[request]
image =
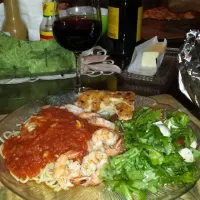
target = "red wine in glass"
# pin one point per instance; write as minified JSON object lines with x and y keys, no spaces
{"x":79,"y":30}
{"x":77,"y":33}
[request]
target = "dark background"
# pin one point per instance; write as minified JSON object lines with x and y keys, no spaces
{"x":146,"y":3}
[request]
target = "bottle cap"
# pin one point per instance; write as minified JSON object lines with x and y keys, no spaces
{"x":50,"y":9}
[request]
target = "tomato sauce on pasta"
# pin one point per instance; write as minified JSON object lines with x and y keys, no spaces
{"x":44,"y":138}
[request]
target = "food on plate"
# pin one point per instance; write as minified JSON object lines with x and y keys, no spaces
{"x":73,"y":145}
{"x":60,"y":148}
{"x":160,"y":151}
{"x":163,"y":13}
{"x":120,"y":103}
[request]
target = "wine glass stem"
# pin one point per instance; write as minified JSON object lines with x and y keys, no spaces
{"x":78,"y":70}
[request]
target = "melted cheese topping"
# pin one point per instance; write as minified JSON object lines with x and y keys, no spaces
{"x":121,"y":103}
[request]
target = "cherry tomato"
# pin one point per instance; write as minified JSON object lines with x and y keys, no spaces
{"x":180,"y":141}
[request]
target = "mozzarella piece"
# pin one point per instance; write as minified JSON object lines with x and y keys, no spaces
{"x":163,"y":129}
{"x":187,"y":155}
{"x":194,"y":145}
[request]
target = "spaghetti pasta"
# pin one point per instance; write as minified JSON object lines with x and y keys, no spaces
{"x":32,"y":152}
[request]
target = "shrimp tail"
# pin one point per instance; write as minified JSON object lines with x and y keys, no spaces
{"x":83,"y":181}
{"x":87,"y":181}
{"x":118,"y":148}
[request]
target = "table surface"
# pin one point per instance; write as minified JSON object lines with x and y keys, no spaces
{"x":193,"y":194}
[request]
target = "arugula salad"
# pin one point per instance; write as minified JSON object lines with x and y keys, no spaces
{"x":160,"y":150}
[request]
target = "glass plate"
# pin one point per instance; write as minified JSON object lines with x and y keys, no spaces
{"x":34,"y":191}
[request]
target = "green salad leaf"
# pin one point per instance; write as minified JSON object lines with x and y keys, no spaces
{"x":152,"y":159}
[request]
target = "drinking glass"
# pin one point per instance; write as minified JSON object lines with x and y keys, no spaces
{"x":79,"y":30}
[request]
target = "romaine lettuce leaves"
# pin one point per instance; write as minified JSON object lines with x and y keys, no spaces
{"x":151,"y":159}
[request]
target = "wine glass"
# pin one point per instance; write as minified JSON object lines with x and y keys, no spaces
{"x":79,"y":30}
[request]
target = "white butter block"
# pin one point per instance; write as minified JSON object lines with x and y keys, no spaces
{"x":149,"y":59}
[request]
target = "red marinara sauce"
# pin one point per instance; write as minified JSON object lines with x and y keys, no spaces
{"x":56,"y":132}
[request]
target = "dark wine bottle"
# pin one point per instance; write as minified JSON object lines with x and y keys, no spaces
{"x":124,"y":27}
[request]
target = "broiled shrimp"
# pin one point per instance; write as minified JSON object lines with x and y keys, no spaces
{"x":98,"y":121}
{"x":66,"y":169}
{"x":103,"y":137}
{"x":73,"y":109}
{"x":90,"y":168}
{"x":106,"y":141}
{"x":93,"y":118}
{"x":93,"y":161}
